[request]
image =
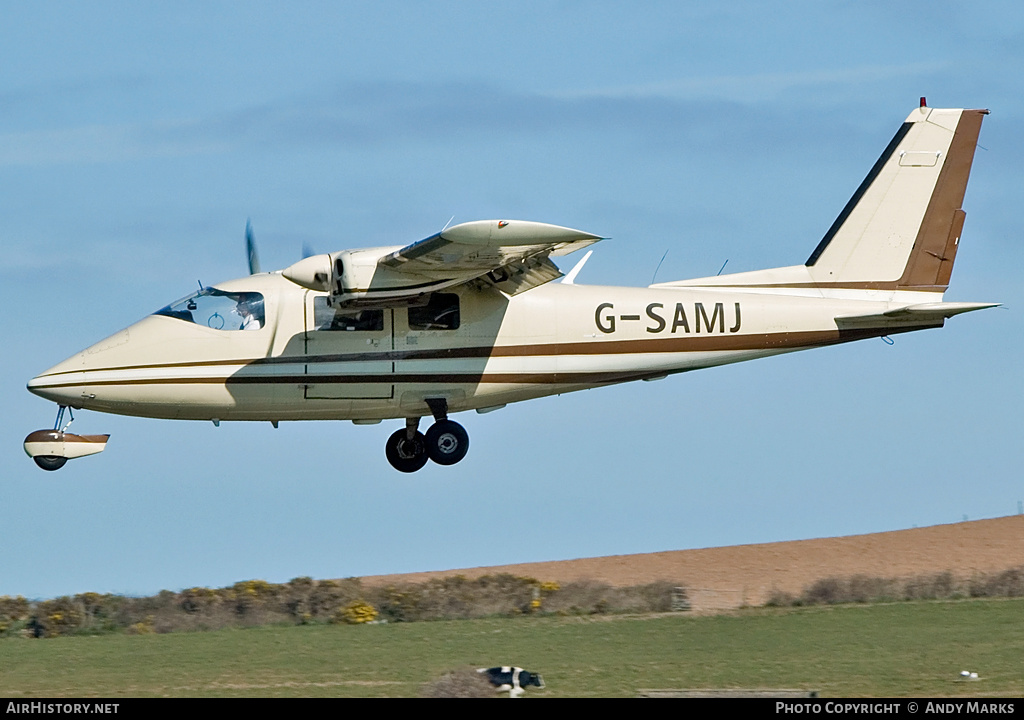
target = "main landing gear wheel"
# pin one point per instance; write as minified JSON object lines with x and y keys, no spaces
{"x":50,"y":462}
{"x":447,"y":442}
{"x":406,"y":455}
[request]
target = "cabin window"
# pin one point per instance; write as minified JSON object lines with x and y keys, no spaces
{"x":440,"y":313}
{"x":326,"y":317}
{"x":219,"y":310}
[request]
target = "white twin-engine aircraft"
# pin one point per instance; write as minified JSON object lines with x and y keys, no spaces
{"x":468,"y":319}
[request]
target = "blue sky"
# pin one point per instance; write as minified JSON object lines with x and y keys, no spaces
{"x":136,"y":138}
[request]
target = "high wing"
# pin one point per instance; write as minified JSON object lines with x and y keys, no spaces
{"x":511,"y":255}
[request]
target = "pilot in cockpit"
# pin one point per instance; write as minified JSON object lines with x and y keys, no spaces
{"x":250,"y":309}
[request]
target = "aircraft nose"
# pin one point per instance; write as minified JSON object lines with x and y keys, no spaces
{"x":35,"y":385}
{"x":67,"y":383}
{"x":58,"y":385}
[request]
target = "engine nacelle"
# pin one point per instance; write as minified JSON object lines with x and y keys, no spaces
{"x":349,"y":275}
{"x":52,"y":448}
{"x":314,"y":273}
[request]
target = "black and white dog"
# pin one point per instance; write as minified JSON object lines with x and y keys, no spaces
{"x":513,"y":679}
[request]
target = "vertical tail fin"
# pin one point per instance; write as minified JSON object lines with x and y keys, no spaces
{"x":901,"y":228}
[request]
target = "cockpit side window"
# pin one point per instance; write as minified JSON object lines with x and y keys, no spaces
{"x":326,"y":317}
{"x":440,"y":313}
{"x":219,"y":310}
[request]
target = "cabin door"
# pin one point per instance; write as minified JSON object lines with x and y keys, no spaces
{"x":348,"y":352}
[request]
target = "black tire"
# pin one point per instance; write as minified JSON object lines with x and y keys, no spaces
{"x":406,"y":455}
{"x":447,"y":442}
{"x":50,"y":462}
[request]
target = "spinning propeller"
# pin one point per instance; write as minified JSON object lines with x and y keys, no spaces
{"x":254,"y":256}
{"x":250,"y":249}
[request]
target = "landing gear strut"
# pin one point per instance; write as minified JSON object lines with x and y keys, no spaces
{"x":55,"y":462}
{"x":446,"y":442}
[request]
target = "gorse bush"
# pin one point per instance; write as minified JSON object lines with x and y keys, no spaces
{"x":1009,"y":583}
{"x":304,"y":600}
{"x":938,"y":586}
{"x":588,"y":597}
{"x":13,"y":610}
{"x":355,"y":613}
{"x":456,"y":598}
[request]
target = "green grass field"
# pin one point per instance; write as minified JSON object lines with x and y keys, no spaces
{"x":904,"y":649}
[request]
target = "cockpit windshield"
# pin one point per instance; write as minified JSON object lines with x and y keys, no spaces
{"x":219,"y":310}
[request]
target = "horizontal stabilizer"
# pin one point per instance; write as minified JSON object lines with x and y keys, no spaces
{"x":921,"y":314}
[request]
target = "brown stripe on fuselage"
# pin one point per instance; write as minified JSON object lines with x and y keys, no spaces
{"x":824,"y":285}
{"x":766,"y":341}
{"x":709,"y":343}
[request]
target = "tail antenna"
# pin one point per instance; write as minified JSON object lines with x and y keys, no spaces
{"x":659,"y":266}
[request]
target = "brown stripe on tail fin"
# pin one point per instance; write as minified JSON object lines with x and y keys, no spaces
{"x":931,"y":261}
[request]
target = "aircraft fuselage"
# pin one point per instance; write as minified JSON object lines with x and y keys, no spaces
{"x":554,"y":339}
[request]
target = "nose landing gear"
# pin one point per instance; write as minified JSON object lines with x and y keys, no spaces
{"x":446,"y":442}
{"x":50,"y":449}
{"x":50,"y":462}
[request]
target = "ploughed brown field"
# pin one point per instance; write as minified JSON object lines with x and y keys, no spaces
{"x":729,"y":577}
